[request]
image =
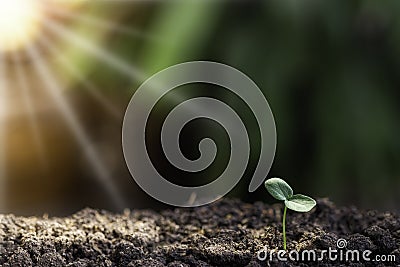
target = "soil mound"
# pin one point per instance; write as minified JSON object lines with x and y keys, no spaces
{"x":226,"y":233}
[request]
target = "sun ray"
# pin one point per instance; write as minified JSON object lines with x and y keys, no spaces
{"x":3,"y":142}
{"x":90,"y":87}
{"x":93,"y":49}
{"x":55,"y":91}
{"x":100,"y":23}
{"x":20,"y":22}
{"x":26,"y":98}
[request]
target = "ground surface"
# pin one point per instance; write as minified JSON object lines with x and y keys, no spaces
{"x":227,"y":233}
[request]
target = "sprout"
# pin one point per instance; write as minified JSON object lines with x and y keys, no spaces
{"x":280,"y":190}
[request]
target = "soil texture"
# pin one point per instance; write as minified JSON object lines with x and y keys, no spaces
{"x":226,"y":233}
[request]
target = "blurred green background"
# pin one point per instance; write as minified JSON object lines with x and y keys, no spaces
{"x":329,"y":70}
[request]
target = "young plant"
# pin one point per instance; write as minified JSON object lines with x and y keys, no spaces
{"x":280,"y":190}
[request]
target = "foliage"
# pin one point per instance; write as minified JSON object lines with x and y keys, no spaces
{"x":280,"y":190}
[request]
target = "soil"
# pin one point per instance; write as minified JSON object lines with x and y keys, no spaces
{"x":226,"y":233}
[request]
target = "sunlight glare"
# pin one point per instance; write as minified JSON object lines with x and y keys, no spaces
{"x":3,"y":141}
{"x":69,"y":66}
{"x":53,"y":87}
{"x":94,"y":49}
{"x":19,"y":23}
{"x":24,"y":86}
{"x":70,"y":4}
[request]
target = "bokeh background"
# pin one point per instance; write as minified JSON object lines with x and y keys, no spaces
{"x":329,"y":69}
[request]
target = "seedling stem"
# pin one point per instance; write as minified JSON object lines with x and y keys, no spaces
{"x":284,"y":227}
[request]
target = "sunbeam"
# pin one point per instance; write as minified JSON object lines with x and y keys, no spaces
{"x":26,"y":98}
{"x":3,"y":120}
{"x":120,"y":65}
{"x":100,"y":23}
{"x":53,"y":88}
{"x":19,"y":23}
{"x":90,"y":87}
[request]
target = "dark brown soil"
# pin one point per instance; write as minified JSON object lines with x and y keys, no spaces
{"x":226,"y":233}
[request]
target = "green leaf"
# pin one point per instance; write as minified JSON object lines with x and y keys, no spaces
{"x":278,"y":188}
{"x":300,"y":203}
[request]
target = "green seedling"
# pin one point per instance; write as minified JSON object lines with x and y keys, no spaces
{"x":280,"y":190}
